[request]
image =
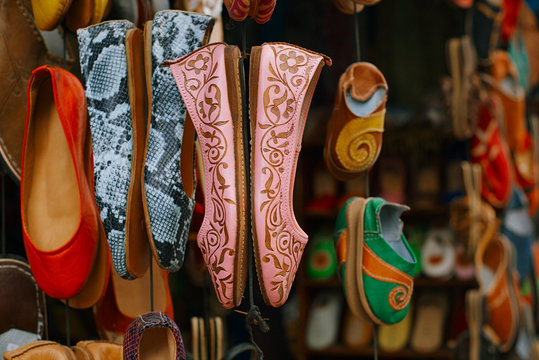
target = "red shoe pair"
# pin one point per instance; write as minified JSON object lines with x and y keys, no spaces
{"x":62,"y":230}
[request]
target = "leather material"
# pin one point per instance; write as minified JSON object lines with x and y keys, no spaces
{"x":489,"y":149}
{"x":259,"y":10}
{"x":79,"y":14}
{"x":63,"y":269}
{"x":102,"y":350}
{"x":354,"y":139}
{"x":208,"y":80}
{"x":113,"y":107}
{"x":23,"y":50}
{"x":145,"y":323}
{"x":112,"y":319}
{"x":49,"y":14}
{"x":41,"y":350}
{"x":347,"y":6}
{"x":282,"y":81}
{"x":101,"y":9}
{"x":168,"y":207}
{"x":22,"y":303}
{"x":499,"y":288}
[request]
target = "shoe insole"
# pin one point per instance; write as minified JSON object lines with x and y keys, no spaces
{"x":53,"y":201}
{"x":392,"y":230}
{"x":157,"y":343}
{"x":364,"y":108}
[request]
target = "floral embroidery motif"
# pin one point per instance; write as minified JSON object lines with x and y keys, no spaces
{"x":200,"y":77}
{"x":277,"y":139}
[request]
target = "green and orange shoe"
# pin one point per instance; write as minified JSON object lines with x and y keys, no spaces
{"x":347,"y":224}
{"x":385,"y":262}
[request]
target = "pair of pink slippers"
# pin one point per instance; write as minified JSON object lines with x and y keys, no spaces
{"x":282,"y":81}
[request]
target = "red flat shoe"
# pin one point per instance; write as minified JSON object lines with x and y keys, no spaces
{"x":60,"y":220}
{"x":489,"y":149}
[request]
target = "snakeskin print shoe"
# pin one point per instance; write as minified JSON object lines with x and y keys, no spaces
{"x":153,"y":336}
{"x":282,"y":82}
{"x":209,"y":83}
{"x":111,"y":61}
{"x":168,"y":198}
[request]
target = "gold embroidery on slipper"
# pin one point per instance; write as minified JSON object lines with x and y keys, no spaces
{"x":290,"y":72}
{"x":205,"y":94}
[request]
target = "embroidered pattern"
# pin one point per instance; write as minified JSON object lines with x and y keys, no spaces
{"x":202,"y":81}
{"x":399,"y":297}
{"x":174,"y":34}
{"x":286,"y":73}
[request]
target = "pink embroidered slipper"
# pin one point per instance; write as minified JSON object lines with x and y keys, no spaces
{"x":282,"y":81}
{"x":208,"y":80}
{"x":259,"y":10}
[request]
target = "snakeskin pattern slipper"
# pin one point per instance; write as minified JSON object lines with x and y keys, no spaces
{"x":209,"y":83}
{"x":114,"y":83}
{"x":168,"y":200}
{"x":282,"y":82}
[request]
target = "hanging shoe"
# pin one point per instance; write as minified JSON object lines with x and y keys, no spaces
{"x":282,"y":82}
{"x":490,"y":151}
{"x":41,"y":350}
{"x":167,"y":175}
{"x":24,"y":49}
{"x":348,"y":7}
{"x":111,"y":65}
{"x":153,"y":336}
{"x":495,"y":267}
{"x":102,"y":350}
{"x":18,"y":290}
{"x":49,"y":14}
{"x":209,"y":82}
{"x":61,"y":227}
{"x":259,"y":10}
{"x":355,"y":129}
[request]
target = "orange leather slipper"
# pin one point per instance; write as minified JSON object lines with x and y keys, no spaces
{"x":354,"y":132}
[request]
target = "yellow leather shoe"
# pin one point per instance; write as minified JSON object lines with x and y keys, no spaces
{"x":49,"y":13}
{"x":101,"y":9}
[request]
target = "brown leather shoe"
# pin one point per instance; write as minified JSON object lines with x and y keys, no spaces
{"x":102,"y":350}
{"x":354,"y":132}
{"x":22,"y":50}
{"x":41,"y":350}
{"x":22,"y":303}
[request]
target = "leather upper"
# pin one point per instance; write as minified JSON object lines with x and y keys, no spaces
{"x":283,"y":78}
{"x":204,"y":84}
{"x":62,"y":272}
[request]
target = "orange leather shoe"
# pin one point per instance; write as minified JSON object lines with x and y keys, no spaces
{"x":355,"y":129}
{"x":41,"y":350}
{"x":495,"y":269}
{"x":60,"y":220}
{"x":102,"y":350}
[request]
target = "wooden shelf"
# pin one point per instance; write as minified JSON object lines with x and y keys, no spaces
{"x":342,"y":351}
{"x":329,"y":283}
{"x":418,"y":282}
{"x":453,"y":282}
